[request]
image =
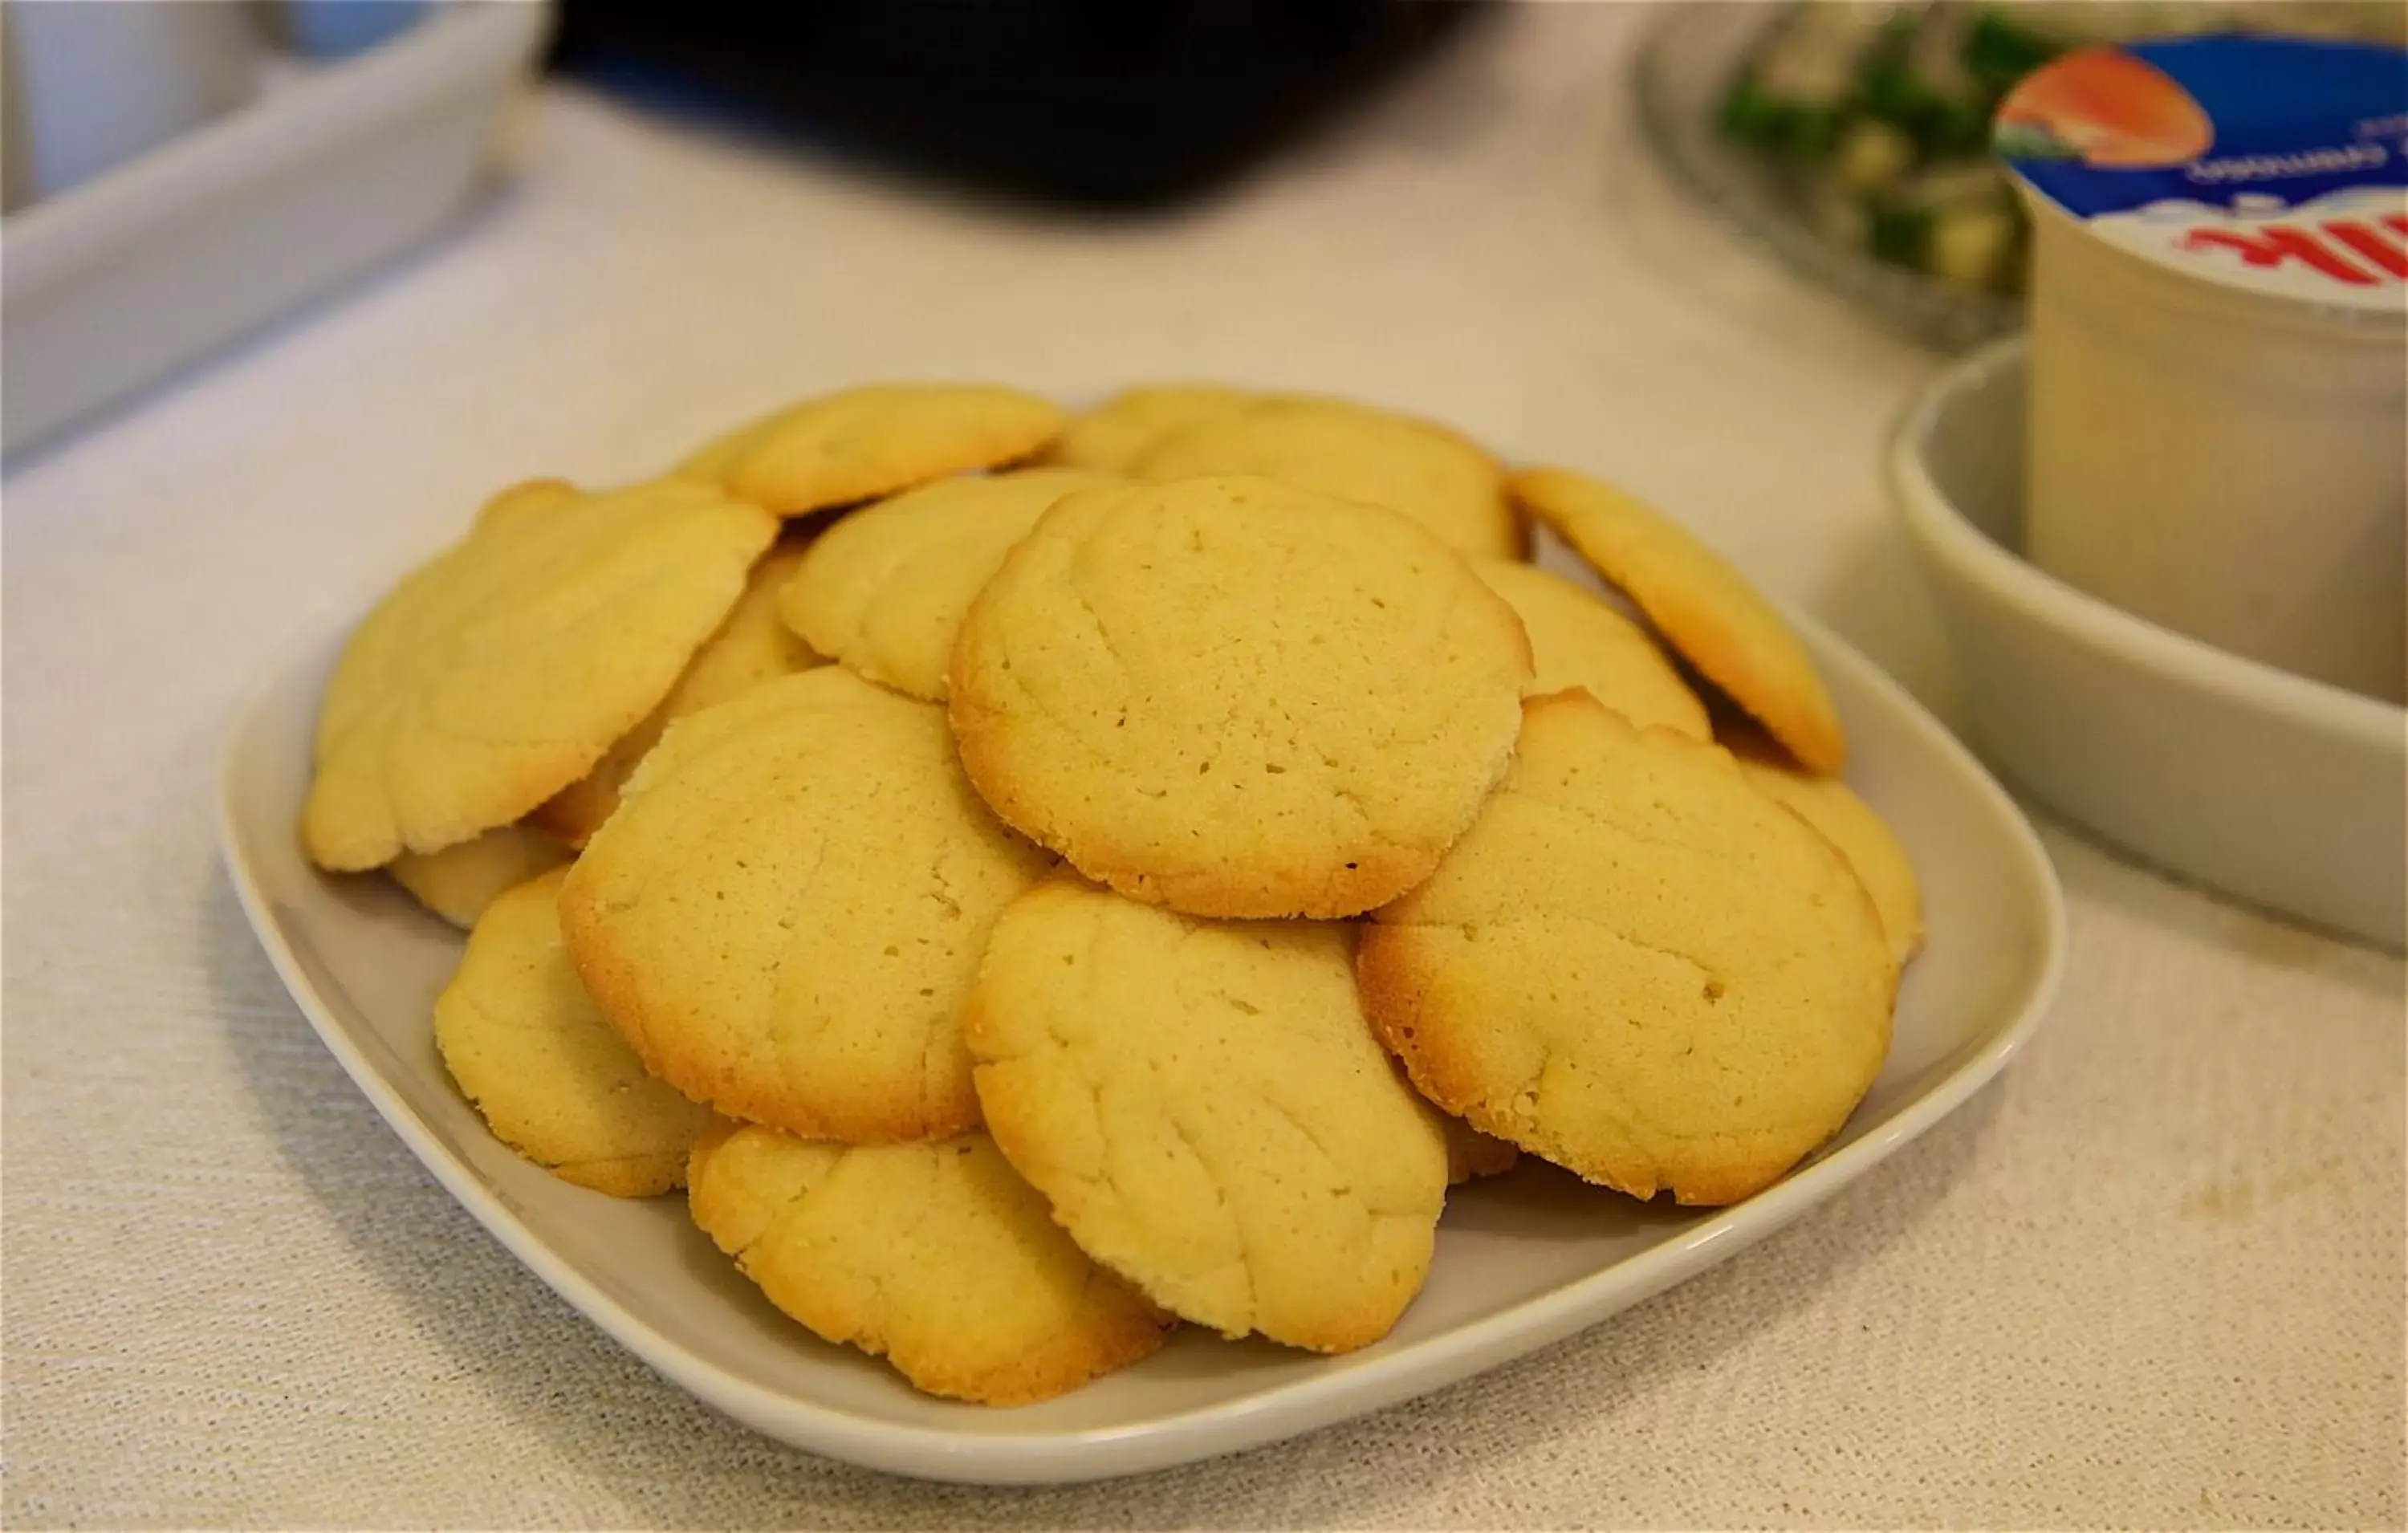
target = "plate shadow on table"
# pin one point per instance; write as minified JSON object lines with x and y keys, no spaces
{"x":520,"y":1343}
{"x":465,"y":1287}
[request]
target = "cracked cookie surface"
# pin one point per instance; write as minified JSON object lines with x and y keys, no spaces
{"x":1578,"y":640}
{"x":528,"y":1049}
{"x":1831,"y":806}
{"x":1415,"y":467}
{"x":935,"y":1255}
{"x":1209,"y":1113}
{"x":1235,"y":698}
{"x":1113,"y":436}
{"x":751,"y":646}
{"x":859,"y":443}
{"x":499,"y":672}
{"x":1636,"y":965}
{"x":883,"y":591}
{"x":1704,"y":608}
{"x":785,"y":914}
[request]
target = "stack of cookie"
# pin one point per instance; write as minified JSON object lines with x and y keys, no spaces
{"x":1030,"y":907}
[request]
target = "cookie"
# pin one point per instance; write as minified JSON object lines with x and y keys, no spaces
{"x":553,"y":1080}
{"x":883,"y":591}
{"x":1109,"y":438}
{"x":1849,"y":823}
{"x":1236,"y":697}
{"x":785,"y":914}
{"x":933,"y":1256}
{"x":1472,"y":1155}
{"x":499,"y":673}
{"x":1702,"y":607}
{"x":753,"y":645}
{"x":1636,"y":965}
{"x":1578,"y":640}
{"x":1207,"y":1112}
{"x":858,"y":444}
{"x":533,"y":494}
{"x":1423,"y":470}
{"x":459,"y":881}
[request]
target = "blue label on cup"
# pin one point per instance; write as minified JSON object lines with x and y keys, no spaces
{"x":2275,"y":163}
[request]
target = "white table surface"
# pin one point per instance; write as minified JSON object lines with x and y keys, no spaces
{"x":2153,"y":1276}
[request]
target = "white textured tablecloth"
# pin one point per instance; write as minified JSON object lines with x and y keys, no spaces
{"x":2153,"y":1276}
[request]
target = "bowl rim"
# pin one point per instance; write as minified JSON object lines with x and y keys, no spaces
{"x":1949,"y":540}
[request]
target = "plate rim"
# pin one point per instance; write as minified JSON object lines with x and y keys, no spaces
{"x":1285,"y":1409}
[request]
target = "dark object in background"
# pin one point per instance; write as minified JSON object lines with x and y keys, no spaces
{"x":1098,"y":102}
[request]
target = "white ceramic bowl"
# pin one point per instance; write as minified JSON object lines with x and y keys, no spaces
{"x":110,"y":285}
{"x":93,"y":86}
{"x":2283,"y":790}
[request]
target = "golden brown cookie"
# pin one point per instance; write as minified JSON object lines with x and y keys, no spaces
{"x":459,"y":881}
{"x":1109,"y":438}
{"x":1416,"y":468}
{"x":1472,"y":1155}
{"x":499,"y":673}
{"x":533,"y":494}
{"x":1578,"y":640}
{"x":1205,"y":1108}
{"x":1235,"y":698}
{"x":553,"y":1080}
{"x":1830,"y":807}
{"x":753,"y":645}
{"x":933,"y":1256}
{"x":883,"y":591}
{"x":858,"y":444}
{"x":1636,"y":965}
{"x":785,"y":914}
{"x":1702,"y":607}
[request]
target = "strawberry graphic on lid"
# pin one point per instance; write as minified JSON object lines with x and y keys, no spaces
{"x":2268,"y":164}
{"x":2106,"y":107}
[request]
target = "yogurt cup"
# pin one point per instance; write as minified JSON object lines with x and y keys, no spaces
{"x":2218,"y":420}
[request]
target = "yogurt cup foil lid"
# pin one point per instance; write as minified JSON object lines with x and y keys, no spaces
{"x":2278,"y":165}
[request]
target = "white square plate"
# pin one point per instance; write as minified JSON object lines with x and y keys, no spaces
{"x":1522,"y":1259}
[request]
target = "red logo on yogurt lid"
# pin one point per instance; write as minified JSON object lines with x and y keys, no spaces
{"x":2357,"y":252}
